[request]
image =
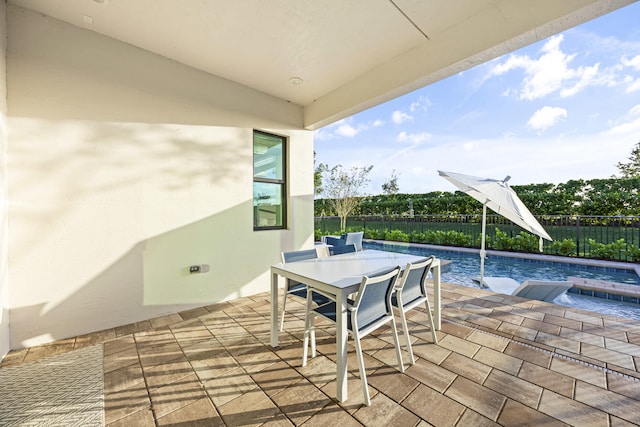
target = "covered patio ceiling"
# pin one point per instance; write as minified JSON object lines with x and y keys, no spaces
{"x":332,"y":57}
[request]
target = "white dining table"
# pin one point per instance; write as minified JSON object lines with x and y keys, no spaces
{"x":340,"y":275}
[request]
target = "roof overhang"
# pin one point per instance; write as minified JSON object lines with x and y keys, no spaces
{"x":334,"y":58}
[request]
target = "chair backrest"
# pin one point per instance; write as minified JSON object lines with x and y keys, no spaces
{"x":344,"y":249}
{"x":412,"y":284}
{"x":302,"y":255}
{"x":373,"y":301}
{"x":355,"y":238}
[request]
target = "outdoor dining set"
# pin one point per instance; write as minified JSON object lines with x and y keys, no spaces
{"x":358,"y":290}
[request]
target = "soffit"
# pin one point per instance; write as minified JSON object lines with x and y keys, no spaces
{"x":350,"y":54}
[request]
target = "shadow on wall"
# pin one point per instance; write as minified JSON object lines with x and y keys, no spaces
{"x":153,"y":279}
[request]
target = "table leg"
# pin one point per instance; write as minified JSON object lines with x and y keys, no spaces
{"x":274,"y":310}
{"x":436,"y":295}
{"x":341,"y":346}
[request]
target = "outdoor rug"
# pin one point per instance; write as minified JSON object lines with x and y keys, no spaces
{"x":60,"y":390}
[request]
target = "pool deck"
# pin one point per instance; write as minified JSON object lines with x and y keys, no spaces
{"x":500,"y":361}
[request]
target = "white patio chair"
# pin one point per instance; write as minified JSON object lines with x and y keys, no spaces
{"x":295,"y":288}
{"x":410,"y":292}
{"x":370,"y":310}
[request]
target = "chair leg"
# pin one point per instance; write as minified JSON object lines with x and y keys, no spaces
{"x":284,"y":306}
{"x":396,"y":341}
{"x":407,"y":338}
{"x":431,"y":324}
{"x":309,"y":331}
{"x":363,"y":374}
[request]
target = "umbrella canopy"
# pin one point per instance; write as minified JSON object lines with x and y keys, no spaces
{"x":499,"y":197}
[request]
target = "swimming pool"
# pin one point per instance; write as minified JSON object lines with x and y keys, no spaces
{"x":465,"y":265}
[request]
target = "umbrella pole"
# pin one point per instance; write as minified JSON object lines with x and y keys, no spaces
{"x":482,"y":244}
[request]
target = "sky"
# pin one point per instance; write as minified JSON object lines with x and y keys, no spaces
{"x":566,"y":107}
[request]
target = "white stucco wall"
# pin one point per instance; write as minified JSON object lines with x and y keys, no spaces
{"x":4,"y":283}
{"x":124,"y":168}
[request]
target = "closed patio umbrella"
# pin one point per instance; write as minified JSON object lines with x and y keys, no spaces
{"x":499,"y":197}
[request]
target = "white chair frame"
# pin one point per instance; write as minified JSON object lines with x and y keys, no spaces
{"x":418,"y":274}
{"x":355,"y":331}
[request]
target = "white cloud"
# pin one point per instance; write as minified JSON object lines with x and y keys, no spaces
{"x":421,"y":104}
{"x":633,"y":62}
{"x":344,"y":128}
{"x":630,"y":124}
{"x":347,"y":130}
{"x":546,"y":117}
{"x":634,"y":86}
{"x":399,"y":116}
{"x":415,"y":138}
{"x":551,"y":72}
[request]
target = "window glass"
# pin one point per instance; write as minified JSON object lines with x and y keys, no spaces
{"x":269,"y":186}
{"x":267,"y":156}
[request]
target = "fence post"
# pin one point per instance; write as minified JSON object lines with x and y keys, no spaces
{"x":578,"y":236}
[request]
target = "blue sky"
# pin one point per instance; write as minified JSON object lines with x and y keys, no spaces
{"x":564,"y":108}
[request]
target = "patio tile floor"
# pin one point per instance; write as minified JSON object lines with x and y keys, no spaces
{"x":499,"y":361}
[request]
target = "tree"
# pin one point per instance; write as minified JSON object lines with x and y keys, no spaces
{"x":343,"y":188}
{"x":631,"y":169}
{"x":317,"y":176}
{"x":391,"y":185}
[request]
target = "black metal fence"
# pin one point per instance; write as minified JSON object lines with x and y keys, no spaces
{"x":616,"y":237}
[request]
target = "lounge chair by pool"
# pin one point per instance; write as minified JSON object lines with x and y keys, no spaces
{"x":543,"y":290}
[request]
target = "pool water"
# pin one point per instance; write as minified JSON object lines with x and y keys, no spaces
{"x":464,"y":266}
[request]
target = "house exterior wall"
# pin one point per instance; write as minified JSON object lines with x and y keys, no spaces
{"x":125,"y":168}
{"x":4,"y":283}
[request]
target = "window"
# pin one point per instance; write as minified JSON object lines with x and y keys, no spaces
{"x":269,"y":183}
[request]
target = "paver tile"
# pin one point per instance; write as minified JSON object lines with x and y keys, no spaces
{"x":199,"y":413}
{"x":176,"y":395}
{"x":472,"y":418}
{"x":487,"y":340}
{"x":571,"y":411}
{"x":300,"y":401}
{"x":584,"y":337}
{"x":514,"y":388}
{"x":481,"y":399}
{"x":578,"y":371}
{"x":570,"y":345}
{"x":332,"y":415}
{"x":390,"y":382}
{"x":608,"y":401}
{"x":459,"y":345}
{"x":548,"y":379}
{"x":229,"y":386}
{"x":252,"y":408}
{"x":385,"y":412}
{"x":121,"y":403}
{"x":469,"y":368}
{"x":518,"y":331}
{"x":432,"y":375}
{"x":498,"y":360}
{"x":611,"y":357}
{"x":140,"y":418}
{"x":622,"y":346}
{"x":433,"y":407}
{"x":563,"y":321}
{"x":517,"y":414}
{"x":528,"y":354}
{"x":623,"y":385}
